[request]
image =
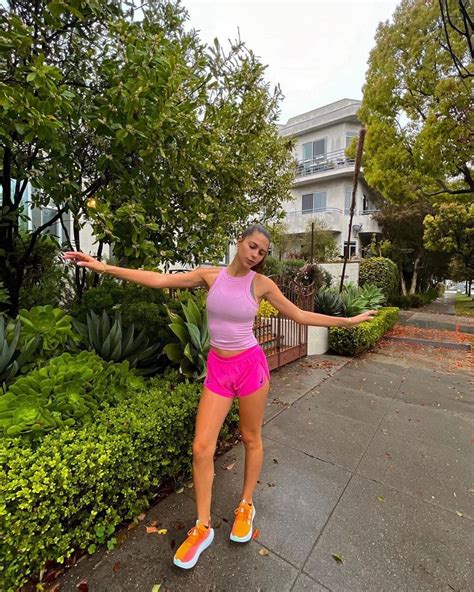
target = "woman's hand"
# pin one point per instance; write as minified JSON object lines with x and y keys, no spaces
{"x":365,"y":316}
{"x":83,"y":260}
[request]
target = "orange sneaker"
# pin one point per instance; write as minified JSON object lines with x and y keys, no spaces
{"x":199,"y":538}
{"x":242,"y":530}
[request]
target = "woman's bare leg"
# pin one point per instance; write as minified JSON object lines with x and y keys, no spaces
{"x":251,"y":410}
{"x":212,"y":411}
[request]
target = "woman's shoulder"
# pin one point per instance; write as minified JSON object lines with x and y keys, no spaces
{"x":209,"y":274}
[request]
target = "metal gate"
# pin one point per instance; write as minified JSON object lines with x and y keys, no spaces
{"x":282,"y":339}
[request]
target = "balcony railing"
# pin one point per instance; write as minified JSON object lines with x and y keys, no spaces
{"x":297,"y":221}
{"x":324,"y":162}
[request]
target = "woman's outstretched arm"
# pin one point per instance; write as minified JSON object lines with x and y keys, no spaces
{"x":149,"y":279}
{"x":304,"y":317}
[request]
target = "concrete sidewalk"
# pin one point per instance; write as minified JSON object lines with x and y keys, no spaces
{"x":365,"y":460}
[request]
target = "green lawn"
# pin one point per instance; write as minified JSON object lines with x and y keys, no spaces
{"x":464,"y":305}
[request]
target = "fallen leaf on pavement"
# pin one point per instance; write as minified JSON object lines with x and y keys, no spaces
{"x":163,"y":531}
{"x":381,"y":498}
{"x":117,"y":567}
{"x":337,"y":558}
{"x":141,"y":517}
{"x":150,"y":529}
{"x":229,"y":467}
{"x":156,"y":588}
{"x":180,"y":490}
{"x":256,"y":533}
{"x":83,"y":586}
{"x":263,"y":552}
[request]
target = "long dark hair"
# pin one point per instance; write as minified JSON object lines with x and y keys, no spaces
{"x":262,"y":230}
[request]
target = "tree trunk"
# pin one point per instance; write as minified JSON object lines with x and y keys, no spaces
{"x":415,"y":276}
{"x":402,"y":283}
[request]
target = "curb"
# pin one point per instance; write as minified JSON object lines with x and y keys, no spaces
{"x":429,"y":342}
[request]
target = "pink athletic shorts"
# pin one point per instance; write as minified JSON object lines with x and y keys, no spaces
{"x":239,"y":375}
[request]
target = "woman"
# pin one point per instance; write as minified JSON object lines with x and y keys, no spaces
{"x":236,"y":367}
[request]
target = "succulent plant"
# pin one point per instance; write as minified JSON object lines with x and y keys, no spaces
{"x":53,"y":327}
{"x":108,"y":339}
{"x":12,"y":358}
{"x":373,"y":296}
{"x":191,"y":350}
{"x":329,"y":302}
{"x":67,"y":391}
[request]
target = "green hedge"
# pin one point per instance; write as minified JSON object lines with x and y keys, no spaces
{"x":357,"y":339}
{"x":78,"y":485}
{"x":381,"y":272}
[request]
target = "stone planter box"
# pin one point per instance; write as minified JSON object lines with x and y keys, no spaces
{"x":318,"y":340}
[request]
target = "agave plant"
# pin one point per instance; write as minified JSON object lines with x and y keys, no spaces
{"x":373,"y":296}
{"x":111,"y":343}
{"x":329,"y":302}
{"x":12,"y":358}
{"x":354,"y":303}
{"x":193,"y":346}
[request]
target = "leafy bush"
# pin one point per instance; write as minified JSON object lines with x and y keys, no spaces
{"x":354,"y":340}
{"x":51,"y":325}
{"x":84,"y":482}
{"x":381,"y":272}
{"x":328,"y":302}
{"x":65,"y":392}
{"x":272,"y":266}
{"x":193,"y":346}
{"x":311,"y":273}
{"x":142,"y":307}
{"x":111,"y":343}
{"x":47,"y":279}
{"x":416,"y":300}
{"x":289,"y":268}
{"x":12,"y":359}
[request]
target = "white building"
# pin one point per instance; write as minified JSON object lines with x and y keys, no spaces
{"x":322,"y":187}
{"x":62,"y":228}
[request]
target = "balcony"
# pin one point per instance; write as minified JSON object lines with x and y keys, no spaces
{"x":298,"y":221}
{"x":331,"y":161}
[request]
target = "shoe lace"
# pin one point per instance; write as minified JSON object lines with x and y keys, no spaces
{"x":194,"y":534}
{"x":243,"y":513}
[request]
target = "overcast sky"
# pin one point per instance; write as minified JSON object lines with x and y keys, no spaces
{"x":317,"y":50}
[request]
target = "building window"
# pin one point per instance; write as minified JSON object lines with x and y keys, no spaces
{"x":349,"y":137}
{"x":314,"y":202}
{"x":54,"y":229}
{"x":347,"y":200}
{"x":352,"y":249}
{"x":314,"y":150}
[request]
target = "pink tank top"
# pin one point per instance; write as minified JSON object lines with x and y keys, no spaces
{"x":231,"y":310}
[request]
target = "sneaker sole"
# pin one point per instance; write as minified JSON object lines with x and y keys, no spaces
{"x":192,"y":562}
{"x":246,"y":538}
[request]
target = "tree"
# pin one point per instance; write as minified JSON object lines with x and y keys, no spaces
{"x":175,"y":142}
{"x":280,"y":237}
{"x":321,"y":242}
{"x":451,"y":229}
{"x":402,"y":241}
{"x":417,"y":107}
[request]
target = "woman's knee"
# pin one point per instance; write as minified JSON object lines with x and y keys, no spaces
{"x":203,"y":450}
{"x":252,"y":439}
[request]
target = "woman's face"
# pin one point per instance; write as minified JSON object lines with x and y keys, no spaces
{"x":252,"y":249}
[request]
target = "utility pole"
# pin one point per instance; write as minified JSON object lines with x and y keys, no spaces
{"x":358,"y":163}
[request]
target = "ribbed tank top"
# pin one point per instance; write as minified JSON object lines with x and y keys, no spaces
{"x":231,"y":311}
